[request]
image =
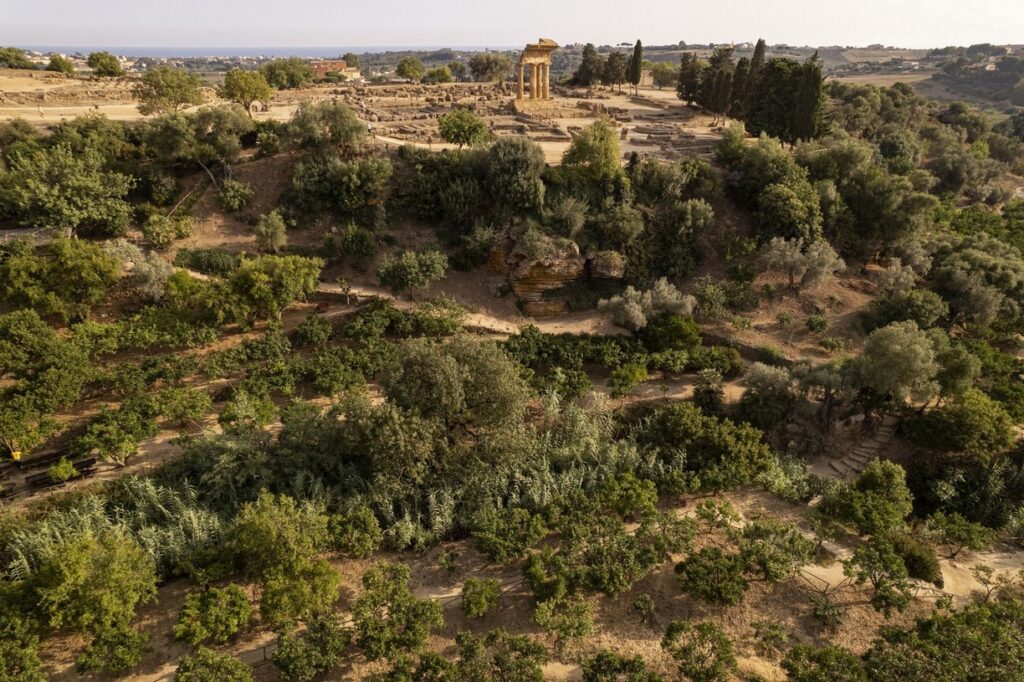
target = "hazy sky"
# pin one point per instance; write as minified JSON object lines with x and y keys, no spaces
{"x":235,"y":23}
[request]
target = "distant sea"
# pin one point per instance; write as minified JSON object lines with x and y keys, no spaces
{"x":250,"y":51}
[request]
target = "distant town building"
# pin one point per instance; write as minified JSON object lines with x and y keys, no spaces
{"x":322,"y":67}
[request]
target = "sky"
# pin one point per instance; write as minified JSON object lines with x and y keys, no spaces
{"x":455,"y":23}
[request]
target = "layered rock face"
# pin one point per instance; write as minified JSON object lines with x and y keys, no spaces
{"x":531,"y":277}
{"x":559,"y":264}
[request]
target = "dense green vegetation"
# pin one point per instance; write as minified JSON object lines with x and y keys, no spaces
{"x":429,"y":433}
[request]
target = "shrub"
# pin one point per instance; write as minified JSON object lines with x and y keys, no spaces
{"x":315,"y":330}
{"x":723,"y":359}
{"x":479,"y":595}
{"x":301,"y":657}
{"x":270,"y":232}
{"x":633,"y":308}
{"x":567,"y":618}
{"x":804,"y":663}
{"x":388,"y":618}
{"x":816,"y":324}
{"x":161,"y":231}
{"x":918,"y":557}
{"x":608,"y":666}
{"x":114,"y":648}
{"x":206,"y":665}
{"x":207,"y":261}
{"x":713,"y":575}
{"x":355,"y":243}
{"x":704,"y":653}
{"x":235,"y":195}
{"x":624,"y":379}
{"x":412,"y":270}
{"x":878,"y":502}
{"x":213,"y":615}
{"x":356,"y":534}
{"x":959,"y":534}
{"x":62,"y":470}
{"x":670,"y":331}
{"x":973,"y":423}
{"x":505,"y":535}
{"x":977,"y":642}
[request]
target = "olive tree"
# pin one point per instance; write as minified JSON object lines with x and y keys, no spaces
{"x":271,"y":235}
{"x":104,"y":64}
{"x":165,"y":90}
{"x":899,"y":361}
{"x":66,"y":189}
{"x":245,"y":88}
{"x":463,"y":128}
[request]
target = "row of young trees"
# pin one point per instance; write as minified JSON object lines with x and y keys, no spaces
{"x":614,"y":69}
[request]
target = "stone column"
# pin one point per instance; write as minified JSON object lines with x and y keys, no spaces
{"x":522,"y":90}
{"x":546,"y":80}
{"x":534,"y":81}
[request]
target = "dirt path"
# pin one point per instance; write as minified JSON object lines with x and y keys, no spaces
{"x":588,"y":322}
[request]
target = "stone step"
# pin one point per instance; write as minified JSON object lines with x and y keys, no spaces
{"x":839,"y":467}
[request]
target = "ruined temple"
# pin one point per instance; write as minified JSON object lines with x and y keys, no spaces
{"x":538,"y":57}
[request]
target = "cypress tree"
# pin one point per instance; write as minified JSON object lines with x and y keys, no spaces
{"x":690,"y":72}
{"x":739,"y":88}
{"x":636,"y":66}
{"x":757,"y":61}
{"x":809,"y":94}
{"x":754,"y":72}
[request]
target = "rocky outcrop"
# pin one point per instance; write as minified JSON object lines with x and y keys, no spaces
{"x":607,"y":265}
{"x":531,"y":274}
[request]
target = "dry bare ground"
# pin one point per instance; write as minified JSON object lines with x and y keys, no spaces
{"x":617,"y":624}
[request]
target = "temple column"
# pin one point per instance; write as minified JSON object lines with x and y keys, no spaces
{"x":546,"y":81}
{"x":522,"y":90}
{"x":534,"y":81}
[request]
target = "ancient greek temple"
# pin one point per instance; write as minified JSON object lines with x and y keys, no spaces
{"x":537,"y":56}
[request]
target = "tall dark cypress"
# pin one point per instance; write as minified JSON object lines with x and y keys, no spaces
{"x":737,"y":107}
{"x":636,"y":65}
{"x":757,"y":61}
{"x":809,"y":95}
{"x":754,"y":72}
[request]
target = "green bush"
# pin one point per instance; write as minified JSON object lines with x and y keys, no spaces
{"x":315,"y":330}
{"x":919,"y":558}
{"x":113,"y":649}
{"x":301,"y":657}
{"x":355,"y":534}
{"x":213,"y":615}
{"x":973,"y":423}
{"x":206,"y":665}
{"x":235,"y":195}
{"x":670,"y":331}
{"x":714,"y":576}
{"x":161,"y":231}
{"x":816,"y":324}
{"x":479,"y":595}
{"x":505,"y":535}
{"x":412,"y":270}
{"x":62,"y":470}
{"x":624,"y":379}
{"x":804,"y":663}
{"x":702,"y":650}
{"x":725,"y":360}
{"x":207,"y":261}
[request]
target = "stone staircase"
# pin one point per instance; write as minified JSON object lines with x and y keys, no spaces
{"x":852,"y":464}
